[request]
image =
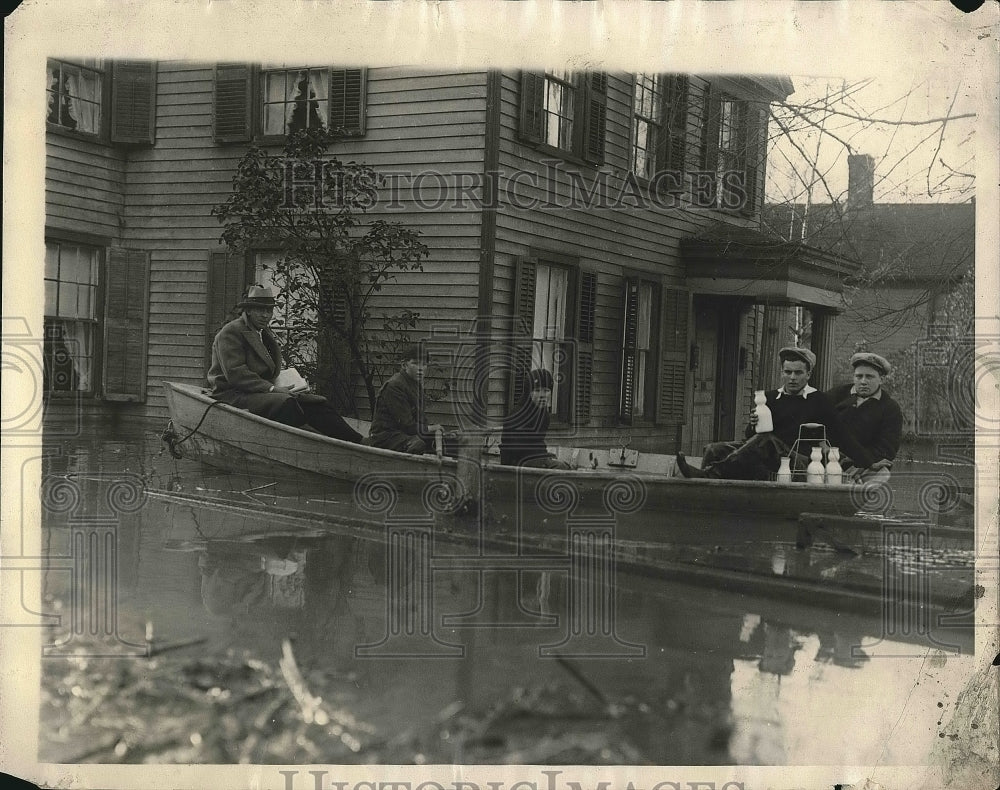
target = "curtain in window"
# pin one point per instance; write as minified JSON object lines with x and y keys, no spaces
{"x":84,"y":100}
{"x":549,"y":331}
{"x":319,"y":92}
{"x":52,"y":94}
{"x":79,"y":339}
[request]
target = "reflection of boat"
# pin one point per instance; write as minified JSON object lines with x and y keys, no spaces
{"x":619,"y":481}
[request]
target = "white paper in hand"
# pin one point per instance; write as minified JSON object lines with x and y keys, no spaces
{"x":290,"y":377}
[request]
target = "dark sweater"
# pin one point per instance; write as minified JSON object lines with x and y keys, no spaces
{"x":523,"y":435}
{"x":791,"y":411}
{"x":877,"y":423}
{"x":397,"y":408}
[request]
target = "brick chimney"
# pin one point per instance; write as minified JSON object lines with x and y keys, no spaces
{"x":860,"y":180}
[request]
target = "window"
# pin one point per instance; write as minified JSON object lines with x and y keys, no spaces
{"x":80,"y":93}
{"x":95,"y":320}
{"x":659,"y":123}
{"x":732,"y":151}
{"x":566,"y":112}
{"x":555,"y":303}
{"x":295,"y":319}
{"x":74,"y":91}
{"x":295,"y":99}
{"x":557,"y":109}
{"x":637,"y":390}
{"x":275,"y":100}
{"x":71,"y":289}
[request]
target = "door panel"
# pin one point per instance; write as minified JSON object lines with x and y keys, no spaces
{"x":705,"y":376}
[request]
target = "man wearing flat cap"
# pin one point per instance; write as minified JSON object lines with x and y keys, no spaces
{"x":246,"y":360}
{"x":867,"y":411}
{"x":792,"y":405}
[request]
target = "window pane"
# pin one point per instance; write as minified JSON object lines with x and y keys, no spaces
{"x":51,"y":291}
{"x":87,"y":298}
{"x":67,"y":299}
{"x":71,"y":268}
{"x":68,"y":356}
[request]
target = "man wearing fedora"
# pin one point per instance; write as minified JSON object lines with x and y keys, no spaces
{"x":792,"y":405}
{"x":867,"y":411}
{"x":246,"y":359}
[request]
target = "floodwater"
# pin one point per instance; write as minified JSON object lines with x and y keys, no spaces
{"x":201,"y":616}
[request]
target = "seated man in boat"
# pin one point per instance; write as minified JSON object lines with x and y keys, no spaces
{"x":246,"y":360}
{"x":793,"y":404}
{"x":867,"y":411}
{"x":398,"y":422}
{"x":522,"y":442}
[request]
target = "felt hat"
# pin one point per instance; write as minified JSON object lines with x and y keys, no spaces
{"x":796,"y":354}
{"x":258,"y":296}
{"x":877,"y":361}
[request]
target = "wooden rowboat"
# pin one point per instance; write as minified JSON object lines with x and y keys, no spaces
{"x":618,"y":482}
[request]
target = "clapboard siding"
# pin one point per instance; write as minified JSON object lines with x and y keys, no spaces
{"x":416,"y":121}
{"x":83,"y":186}
{"x":611,"y":241}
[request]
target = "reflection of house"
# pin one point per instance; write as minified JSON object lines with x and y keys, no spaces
{"x":605,"y":211}
{"x":913,"y":255}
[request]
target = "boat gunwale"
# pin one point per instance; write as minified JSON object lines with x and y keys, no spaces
{"x":432,"y":462}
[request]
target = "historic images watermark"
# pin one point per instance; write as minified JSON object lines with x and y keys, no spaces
{"x":324,"y":186}
{"x":545,"y":780}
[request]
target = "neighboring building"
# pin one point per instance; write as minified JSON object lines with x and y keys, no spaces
{"x":914,"y":257}
{"x":526,"y":202}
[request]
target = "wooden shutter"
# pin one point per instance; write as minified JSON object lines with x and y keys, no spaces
{"x":232,"y":113}
{"x":523,"y":324}
{"x":532,"y":125}
{"x":710,"y":145}
{"x":228,"y":278}
{"x":586,"y":313}
{"x":348,"y":98}
{"x":629,"y":355}
{"x":675,"y":122}
{"x":133,"y":102}
{"x":671,"y":405}
{"x":756,"y":135}
{"x":595,"y":116}
{"x":126,"y":305}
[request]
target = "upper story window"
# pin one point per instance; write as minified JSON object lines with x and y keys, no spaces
{"x":114,"y":101}
{"x":733,"y":151}
{"x":565,"y":112}
{"x":295,"y":99}
{"x":659,"y":123}
{"x":273,"y":101}
{"x":558,"y":107}
{"x":74,"y":90}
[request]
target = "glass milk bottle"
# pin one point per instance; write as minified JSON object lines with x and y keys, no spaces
{"x":815,"y":472}
{"x":785,"y":470}
{"x":764,"y":422}
{"x":834,"y":472}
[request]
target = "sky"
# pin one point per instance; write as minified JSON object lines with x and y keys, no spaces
{"x":914,"y":163}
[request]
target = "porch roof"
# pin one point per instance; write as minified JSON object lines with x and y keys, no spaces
{"x":730,"y":260}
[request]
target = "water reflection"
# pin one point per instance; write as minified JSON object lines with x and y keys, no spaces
{"x":279,"y":637}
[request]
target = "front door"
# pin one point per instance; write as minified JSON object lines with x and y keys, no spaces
{"x":715,"y":362}
{"x":705,"y":361}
